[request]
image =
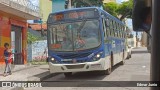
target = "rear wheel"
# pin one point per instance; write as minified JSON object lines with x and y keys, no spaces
{"x":130,"y":56}
{"x":123,"y":60}
{"x":68,"y":74}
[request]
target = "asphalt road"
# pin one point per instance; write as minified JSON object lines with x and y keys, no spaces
{"x":136,"y":68}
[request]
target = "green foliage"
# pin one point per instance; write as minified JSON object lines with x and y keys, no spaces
{"x":31,"y":38}
{"x":111,"y":8}
{"x":87,"y":3}
{"x":123,"y":10}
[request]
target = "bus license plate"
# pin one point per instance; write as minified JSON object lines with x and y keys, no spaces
{"x":95,"y":65}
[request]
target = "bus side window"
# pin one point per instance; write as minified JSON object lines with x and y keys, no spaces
{"x":122,"y":31}
{"x":118,"y":30}
{"x":104,"y":28}
{"x":114,"y":29}
{"x":110,"y":27}
{"x":107,"y":27}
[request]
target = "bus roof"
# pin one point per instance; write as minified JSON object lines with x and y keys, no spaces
{"x":109,"y":15}
{"x":72,"y":9}
{"x":84,"y":8}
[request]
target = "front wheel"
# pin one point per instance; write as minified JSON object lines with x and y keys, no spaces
{"x":68,"y":74}
{"x":109,"y":70}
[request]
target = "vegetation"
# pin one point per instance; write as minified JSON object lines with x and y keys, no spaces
{"x":111,"y":8}
{"x":31,"y":38}
{"x":121,"y":11}
{"x":87,"y":3}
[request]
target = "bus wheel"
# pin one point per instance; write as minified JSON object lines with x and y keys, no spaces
{"x":123,"y":60}
{"x":109,"y":70}
{"x":68,"y":74}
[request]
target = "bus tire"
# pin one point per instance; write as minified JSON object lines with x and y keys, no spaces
{"x":68,"y":74}
{"x":109,"y":70}
{"x":130,"y":56}
{"x":123,"y":60}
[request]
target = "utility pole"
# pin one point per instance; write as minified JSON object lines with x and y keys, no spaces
{"x":69,"y":4}
{"x":136,"y":39}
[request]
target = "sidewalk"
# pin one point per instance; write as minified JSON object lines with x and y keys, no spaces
{"x":27,"y":73}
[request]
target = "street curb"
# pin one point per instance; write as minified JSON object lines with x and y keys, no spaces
{"x":27,"y":67}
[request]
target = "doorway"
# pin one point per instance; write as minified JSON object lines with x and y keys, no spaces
{"x":16,"y":44}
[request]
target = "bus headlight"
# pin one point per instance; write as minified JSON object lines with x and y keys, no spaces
{"x":97,"y":57}
{"x":52,"y":59}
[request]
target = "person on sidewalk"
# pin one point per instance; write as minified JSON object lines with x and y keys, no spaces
{"x":8,"y":59}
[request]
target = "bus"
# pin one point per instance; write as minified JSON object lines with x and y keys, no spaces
{"x":85,"y":39}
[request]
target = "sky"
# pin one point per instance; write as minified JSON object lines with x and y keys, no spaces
{"x":35,"y":2}
{"x":119,"y":1}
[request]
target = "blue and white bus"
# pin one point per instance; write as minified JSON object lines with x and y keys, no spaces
{"x":85,"y":39}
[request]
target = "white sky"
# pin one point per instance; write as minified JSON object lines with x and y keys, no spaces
{"x":35,"y":2}
{"x":119,"y":1}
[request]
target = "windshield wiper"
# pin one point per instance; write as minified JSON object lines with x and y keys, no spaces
{"x":81,"y":26}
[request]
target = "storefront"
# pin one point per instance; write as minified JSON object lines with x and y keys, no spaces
{"x":13,"y":30}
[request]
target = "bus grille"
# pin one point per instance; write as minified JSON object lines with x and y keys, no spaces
{"x":70,"y":62}
{"x":75,"y":66}
{"x":74,"y":56}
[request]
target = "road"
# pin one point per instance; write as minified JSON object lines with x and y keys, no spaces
{"x":136,"y":68}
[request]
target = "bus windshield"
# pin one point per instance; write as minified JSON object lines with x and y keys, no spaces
{"x":79,"y":35}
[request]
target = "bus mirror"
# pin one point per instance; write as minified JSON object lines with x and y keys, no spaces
{"x":139,"y":15}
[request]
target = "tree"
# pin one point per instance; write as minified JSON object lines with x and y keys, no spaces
{"x":31,"y":38}
{"x":111,"y":8}
{"x":123,"y":10}
{"x":87,"y":3}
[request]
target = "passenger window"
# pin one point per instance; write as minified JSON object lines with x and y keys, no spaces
{"x":107,"y":27}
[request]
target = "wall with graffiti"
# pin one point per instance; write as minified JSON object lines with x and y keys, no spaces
{"x":38,"y":51}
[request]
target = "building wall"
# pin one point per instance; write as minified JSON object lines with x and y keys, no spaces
{"x":106,"y":1}
{"x":6,"y":20}
{"x":45,"y":8}
{"x":39,"y":50}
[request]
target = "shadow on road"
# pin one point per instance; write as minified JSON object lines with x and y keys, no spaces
{"x":139,"y":52}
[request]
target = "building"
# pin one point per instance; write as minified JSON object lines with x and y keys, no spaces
{"x":45,"y":9}
{"x":38,"y":28}
{"x":106,"y":1}
{"x":13,"y":27}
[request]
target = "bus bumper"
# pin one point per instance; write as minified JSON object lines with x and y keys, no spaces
{"x":101,"y":64}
